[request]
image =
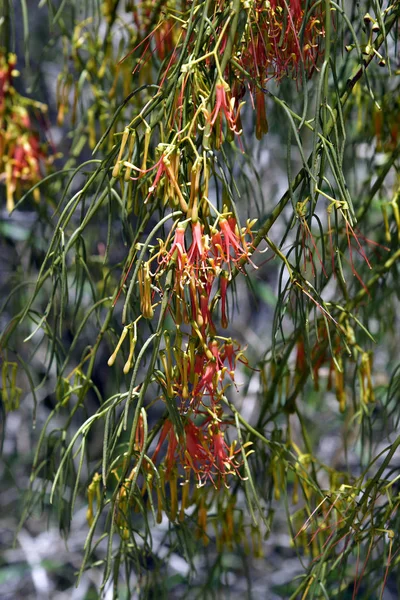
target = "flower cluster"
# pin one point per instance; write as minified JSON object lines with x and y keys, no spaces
{"x":198,"y":365}
{"x":208,"y":258}
{"x":281,"y":42}
{"x":280,"y":39}
{"x":203,"y":452}
{"x":21,"y":155}
{"x":187,"y":272}
{"x":195,"y":375}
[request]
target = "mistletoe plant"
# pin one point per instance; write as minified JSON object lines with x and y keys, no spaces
{"x":138,"y":343}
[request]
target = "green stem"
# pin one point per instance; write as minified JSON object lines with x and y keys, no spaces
{"x":231,"y":37}
{"x":5,"y":25}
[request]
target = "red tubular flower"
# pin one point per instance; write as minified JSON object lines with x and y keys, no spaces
{"x":178,"y":249}
{"x":164,"y":432}
{"x":159,"y":173}
{"x":171,"y":455}
{"x":230,"y":355}
{"x":224,"y":107}
{"x":205,"y":310}
{"x":197,"y":254}
{"x":229,"y":242}
{"x":219,"y":449}
{"x":301,"y":363}
{"x":212,"y":373}
{"x":223,"y":282}
{"x":139,"y":435}
{"x":261,"y":116}
{"x":193,"y":297}
{"x":170,"y":459}
{"x":295,"y":9}
{"x":195,"y":452}
{"x":18,"y":160}
{"x":215,"y":351}
{"x":224,"y":456}
{"x":207,"y":381}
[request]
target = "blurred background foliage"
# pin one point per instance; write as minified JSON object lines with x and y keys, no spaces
{"x":314,"y":513}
